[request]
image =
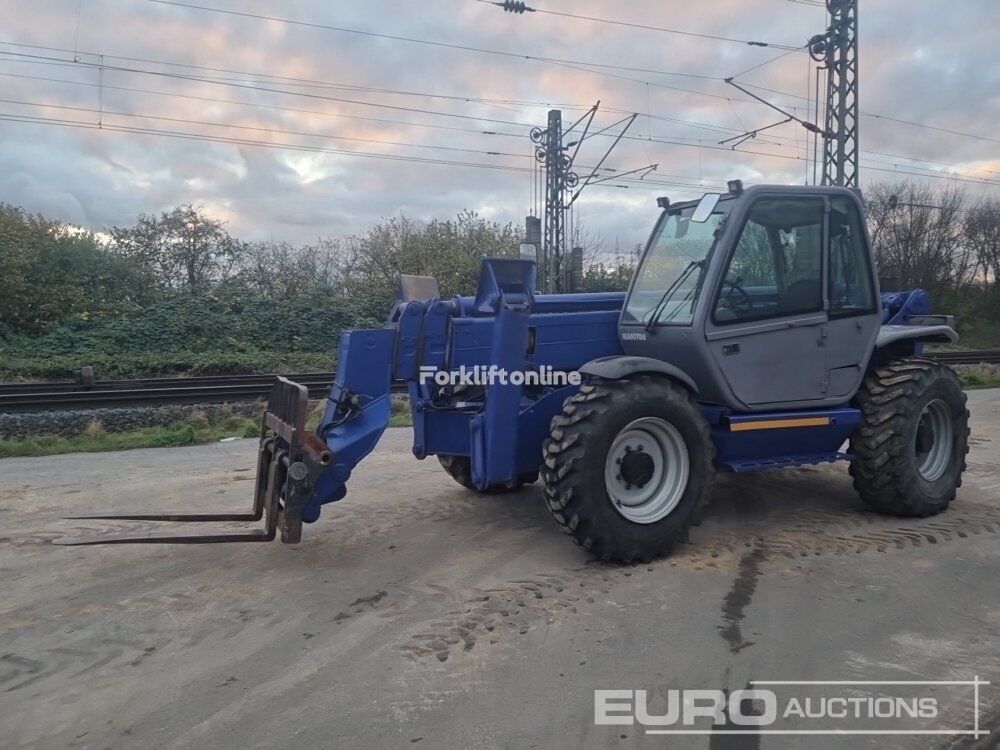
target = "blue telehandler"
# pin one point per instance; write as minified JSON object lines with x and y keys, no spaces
{"x":753,"y":336}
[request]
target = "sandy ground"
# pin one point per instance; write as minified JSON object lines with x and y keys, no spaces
{"x":418,"y":614}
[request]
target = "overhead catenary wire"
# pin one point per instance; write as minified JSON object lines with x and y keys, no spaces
{"x":676,"y":88}
{"x":877,"y":116}
{"x":674,"y":140}
{"x":273,"y":78}
{"x":432,"y":43}
{"x":250,"y":142}
{"x":281,"y":131}
{"x":277,"y":145}
{"x":769,"y":154}
{"x":71,"y":63}
{"x":45,"y":60}
{"x":259,"y":105}
{"x":609,"y":66}
{"x":648,"y":27}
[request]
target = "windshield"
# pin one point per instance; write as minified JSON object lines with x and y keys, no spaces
{"x":668,"y":280}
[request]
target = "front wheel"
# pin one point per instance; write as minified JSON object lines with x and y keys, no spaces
{"x":909,"y":451}
{"x":627,"y":464}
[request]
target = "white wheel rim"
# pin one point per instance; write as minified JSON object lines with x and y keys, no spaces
{"x":932,"y":442}
{"x":646,"y":470}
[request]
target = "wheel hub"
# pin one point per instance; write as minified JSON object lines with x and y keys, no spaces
{"x":646,"y":470}
{"x":932,"y":443}
{"x":637,"y":467}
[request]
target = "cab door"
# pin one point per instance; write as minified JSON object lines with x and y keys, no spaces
{"x":768,"y":327}
{"x":855,"y":316}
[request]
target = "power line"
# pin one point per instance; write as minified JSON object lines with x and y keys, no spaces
{"x":509,"y":54}
{"x":249,"y":142}
{"x":56,"y":61}
{"x":674,"y":141}
{"x":413,"y":40}
{"x":257,"y":105}
{"x":267,"y":89}
{"x":887,"y":117}
{"x":283,"y":79}
{"x":310,"y":82}
{"x":769,"y":61}
{"x":302,"y":147}
{"x":713,"y":37}
{"x":929,"y":127}
{"x":278,"y":131}
{"x":401,"y":158}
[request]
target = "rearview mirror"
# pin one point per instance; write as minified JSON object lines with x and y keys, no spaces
{"x":705,"y":207}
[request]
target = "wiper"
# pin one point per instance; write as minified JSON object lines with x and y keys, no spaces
{"x":657,"y":311}
{"x":676,"y":311}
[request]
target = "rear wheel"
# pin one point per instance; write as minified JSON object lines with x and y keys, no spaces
{"x":459,"y":468}
{"x":627,"y":465}
{"x":909,"y":451}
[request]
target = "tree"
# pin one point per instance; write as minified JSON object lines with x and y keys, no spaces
{"x":918,"y":236}
{"x":53,"y":273}
{"x":609,"y":273}
{"x":982,"y":228}
{"x":451,"y":251}
{"x":279,"y":270}
{"x":183,"y":248}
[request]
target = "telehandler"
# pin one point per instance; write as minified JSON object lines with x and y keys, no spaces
{"x":753,"y":336}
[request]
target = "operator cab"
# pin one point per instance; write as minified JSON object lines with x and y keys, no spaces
{"x":743,"y":291}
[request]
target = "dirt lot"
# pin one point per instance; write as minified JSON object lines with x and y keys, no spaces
{"x":417,"y":614}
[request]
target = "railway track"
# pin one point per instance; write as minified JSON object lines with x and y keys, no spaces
{"x":63,"y":395}
{"x":971,"y":357}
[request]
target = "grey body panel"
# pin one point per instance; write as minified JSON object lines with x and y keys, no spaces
{"x":890,"y":334}
{"x":792,"y":362}
{"x":617,"y":366}
{"x":931,"y":320}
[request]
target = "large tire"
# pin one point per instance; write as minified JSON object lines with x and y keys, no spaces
{"x":587,"y":443}
{"x":459,"y":468}
{"x":909,"y":450}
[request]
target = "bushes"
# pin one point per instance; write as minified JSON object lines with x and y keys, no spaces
{"x":176,"y":294}
{"x":25,"y":364}
{"x":204,"y":334}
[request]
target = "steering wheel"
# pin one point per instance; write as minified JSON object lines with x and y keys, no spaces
{"x":741,"y":304}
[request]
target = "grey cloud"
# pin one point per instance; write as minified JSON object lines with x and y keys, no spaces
{"x":922,"y":62}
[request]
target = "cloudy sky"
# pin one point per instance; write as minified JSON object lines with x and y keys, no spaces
{"x":292,"y":130}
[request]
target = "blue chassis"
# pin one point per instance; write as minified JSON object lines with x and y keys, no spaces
{"x":501,"y":428}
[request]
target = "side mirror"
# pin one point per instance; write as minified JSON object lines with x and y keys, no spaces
{"x":705,"y":207}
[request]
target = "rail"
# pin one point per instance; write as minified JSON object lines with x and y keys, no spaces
{"x":62,"y":395}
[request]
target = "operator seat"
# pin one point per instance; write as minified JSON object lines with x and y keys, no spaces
{"x":805,"y":286}
{"x":804,"y":294}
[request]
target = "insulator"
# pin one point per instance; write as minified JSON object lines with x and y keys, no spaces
{"x":515,"y":6}
{"x":818,"y":46}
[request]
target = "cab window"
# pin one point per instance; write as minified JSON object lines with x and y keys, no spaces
{"x":851,"y":288}
{"x":777,"y":266}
